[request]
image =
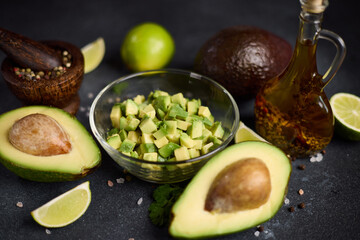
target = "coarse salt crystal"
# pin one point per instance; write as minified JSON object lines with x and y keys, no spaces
{"x":110,"y":183}
{"x":90,"y":95}
{"x":139,"y":202}
{"x":47,"y":231}
{"x":120,"y":180}
{"x":257,"y":233}
{"x":19,"y":204}
{"x":286,"y":201}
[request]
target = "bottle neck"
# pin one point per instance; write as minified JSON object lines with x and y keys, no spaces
{"x":309,"y":27}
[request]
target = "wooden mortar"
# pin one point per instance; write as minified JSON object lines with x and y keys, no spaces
{"x":60,"y":91}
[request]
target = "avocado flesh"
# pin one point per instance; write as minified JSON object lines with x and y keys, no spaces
{"x":192,"y":220}
{"x":83,"y":158}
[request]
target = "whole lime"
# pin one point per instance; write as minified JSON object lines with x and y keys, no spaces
{"x":147,"y":46}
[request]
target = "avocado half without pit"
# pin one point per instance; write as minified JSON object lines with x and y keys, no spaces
{"x":239,"y":188}
{"x":46,"y":144}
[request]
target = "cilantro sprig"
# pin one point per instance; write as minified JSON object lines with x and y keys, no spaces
{"x":164,"y":198}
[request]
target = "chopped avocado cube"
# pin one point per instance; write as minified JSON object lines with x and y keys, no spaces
{"x":127,"y":146}
{"x":179,"y":98}
{"x":153,"y":156}
{"x":147,"y":138}
{"x":205,"y":149}
{"x":194,"y":153}
{"x":131,"y":108}
{"x":115,"y":115}
{"x":112,"y":132}
{"x":186,"y":141}
{"x":160,"y":113}
{"x":198,"y":144}
{"x":176,"y":111}
{"x":161,"y":142}
{"x":183,"y":125}
{"x":147,"y":148}
{"x":132,"y":123}
{"x":149,"y":110}
{"x":159,"y":93}
{"x":114,"y":141}
{"x":192,"y":107}
{"x":123,"y":134}
{"x":122,"y":123}
{"x":171,"y":126}
{"x":175,"y":138}
{"x":139,"y":99}
{"x":168,"y":149}
{"x":162,"y":103}
{"x":161,"y":159}
{"x":215,"y":140}
{"x":162,"y":132}
{"x":181,"y":153}
{"x":217,"y":130}
{"x":196,"y":129}
{"x":206,"y":133}
{"x":204,"y":111}
{"x":207,"y":122}
{"x":134,"y":154}
{"x":148,"y":126}
{"x":134,"y":136}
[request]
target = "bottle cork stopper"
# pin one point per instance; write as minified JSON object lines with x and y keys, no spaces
{"x":314,"y":6}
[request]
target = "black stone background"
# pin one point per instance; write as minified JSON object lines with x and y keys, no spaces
{"x":331,"y":186}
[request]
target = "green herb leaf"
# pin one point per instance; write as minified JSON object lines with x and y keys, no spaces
{"x":164,"y":198}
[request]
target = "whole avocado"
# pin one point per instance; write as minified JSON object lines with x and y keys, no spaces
{"x":242,"y":58}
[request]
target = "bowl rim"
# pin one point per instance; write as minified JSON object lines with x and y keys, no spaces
{"x":192,"y":74}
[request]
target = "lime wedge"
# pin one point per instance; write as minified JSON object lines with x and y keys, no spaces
{"x":246,"y":134}
{"x":93,"y":54}
{"x":346,"y":109}
{"x":64,"y":209}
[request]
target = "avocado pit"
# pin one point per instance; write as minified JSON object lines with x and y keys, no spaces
{"x":242,"y":185}
{"x":40,"y":135}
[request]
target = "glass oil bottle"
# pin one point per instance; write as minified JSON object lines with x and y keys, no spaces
{"x":292,"y":110}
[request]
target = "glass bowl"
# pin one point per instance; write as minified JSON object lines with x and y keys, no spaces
{"x":191,"y":85}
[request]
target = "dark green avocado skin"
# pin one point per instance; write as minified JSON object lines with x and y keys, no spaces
{"x":242,"y":58}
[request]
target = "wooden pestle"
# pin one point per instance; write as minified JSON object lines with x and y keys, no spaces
{"x":28,"y":53}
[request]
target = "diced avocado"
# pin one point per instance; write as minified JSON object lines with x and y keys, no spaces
{"x":115,"y":115}
{"x":147,"y":126}
{"x":134,"y":136}
{"x":204,"y":111}
{"x":179,"y":98}
{"x":215,"y":140}
{"x":139,"y":99}
{"x":123,"y":134}
{"x":206,"y":134}
{"x":168,"y":149}
{"x":159,"y":93}
{"x":162,"y":103}
{"x":181,"y":153}
{"x":161,"y":142}
{"x":198,"y":144}
{"x":114,"y":141}
{"x":182,"y":125}
{"x":161,"y":159}
{"x":175,"y":138}
{"x":193,"y":107}
{"x":196,"y":129}
{"x":171,"y":126}
{"x":162,"y":132}
{"x":186,"y":141}
{"x":153,"y":156}
{"x":131,"y":123}
{"x":194,"y":153}
{"x":113,"y":131}
{"x":149,"y":110}
{"x":176,"y":111}
{"x":205,"y":149}
{"x":127,"y":146}
{"x":131,"y":108}
{"x":217,"y":130}
{"x":207,"y":122}
{"x":160,"y":113}
{"x":147,"y":138}
{"x":147,"y":148}
{"x":134,"y":154}
{"x":123,"y":123}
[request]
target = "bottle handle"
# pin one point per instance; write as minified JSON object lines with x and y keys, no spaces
{"x":339,"y":57}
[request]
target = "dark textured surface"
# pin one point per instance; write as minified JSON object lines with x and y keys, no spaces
{"x":331,"y":186}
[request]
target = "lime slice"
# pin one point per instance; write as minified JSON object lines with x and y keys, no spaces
{"x":346,"y":109}
{"x":93,"y":54}
{"x":64,"y":209}
{"x":246,"y":134}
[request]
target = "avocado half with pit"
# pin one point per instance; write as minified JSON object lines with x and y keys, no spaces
{"x":239,"y":188}
{"x":46,"y":144}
